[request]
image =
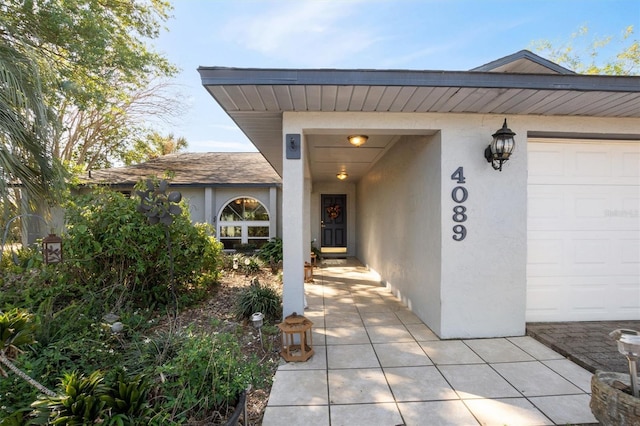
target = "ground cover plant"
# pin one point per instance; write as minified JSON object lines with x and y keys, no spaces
{"x":125,"y":332}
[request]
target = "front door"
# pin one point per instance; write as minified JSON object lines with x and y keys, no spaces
{"x":334,"y":222}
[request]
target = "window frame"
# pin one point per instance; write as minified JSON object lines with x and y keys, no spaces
{"x":244,"y":224}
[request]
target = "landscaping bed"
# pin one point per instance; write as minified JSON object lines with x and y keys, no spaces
{"x":145,"y":321}
{"x":220,"y":306}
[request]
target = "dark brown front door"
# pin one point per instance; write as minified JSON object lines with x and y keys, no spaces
{"x":334,"y":220}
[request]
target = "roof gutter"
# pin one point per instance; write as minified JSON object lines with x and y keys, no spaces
{"x":224,"y":76}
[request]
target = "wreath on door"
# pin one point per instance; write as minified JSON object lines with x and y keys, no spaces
{"x":333,"y":211}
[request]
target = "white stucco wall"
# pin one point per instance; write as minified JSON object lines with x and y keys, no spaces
{"x":399,"y":226}
{"x":462,"y":289}
{"x":195,"y":198}
{"x":483,"y":288}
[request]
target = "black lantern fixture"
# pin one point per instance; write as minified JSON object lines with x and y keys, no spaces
{"x":52,"y":249}
{"x":500,"y":149}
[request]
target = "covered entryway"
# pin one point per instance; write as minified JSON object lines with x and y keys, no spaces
{"x":583,"y":258}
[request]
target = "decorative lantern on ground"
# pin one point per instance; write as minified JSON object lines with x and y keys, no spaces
{"x":308,"y":272}
{"x":297,"y":340}
{"x":52,"y":249}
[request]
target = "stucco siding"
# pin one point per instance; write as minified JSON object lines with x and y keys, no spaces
{"x":195,"y":200}
{"x":405,"y":215}
{"x":399,"y":223}
{"x":483,"y":275}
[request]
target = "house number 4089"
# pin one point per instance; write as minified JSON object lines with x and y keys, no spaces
{"x":459,"y":195}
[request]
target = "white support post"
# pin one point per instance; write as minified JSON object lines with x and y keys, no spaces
{"x":293,"y":232}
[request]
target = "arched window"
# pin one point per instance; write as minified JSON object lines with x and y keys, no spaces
{"x":243,"y":221}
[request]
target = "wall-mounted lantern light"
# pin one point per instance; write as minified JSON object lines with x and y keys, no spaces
{"x":357,"y":140}
{"x":342,"y":175}
{"x":52,"y":249}
{"x":500,"y":149}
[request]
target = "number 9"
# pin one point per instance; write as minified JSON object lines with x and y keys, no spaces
{"x":460,"y":231}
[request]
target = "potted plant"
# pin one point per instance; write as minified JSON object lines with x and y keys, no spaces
{"x":615,"y":397}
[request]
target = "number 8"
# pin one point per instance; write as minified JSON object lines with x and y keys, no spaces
{"x":459,"y":214}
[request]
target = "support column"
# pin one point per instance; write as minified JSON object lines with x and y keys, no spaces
{"x":293,"y":232}
{"x":209,"y":204}
{"x":273,"y":212}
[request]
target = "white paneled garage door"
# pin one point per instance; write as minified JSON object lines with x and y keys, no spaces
{"x":583,"y":259}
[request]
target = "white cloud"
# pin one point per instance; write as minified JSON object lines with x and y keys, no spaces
{"x":314,"y":33}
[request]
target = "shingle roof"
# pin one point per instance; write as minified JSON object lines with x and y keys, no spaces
{"x":193,"y":169}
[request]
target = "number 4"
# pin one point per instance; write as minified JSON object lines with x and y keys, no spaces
{"x":458,"y":175}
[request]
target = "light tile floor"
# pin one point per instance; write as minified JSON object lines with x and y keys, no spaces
{"x":376,"y":363}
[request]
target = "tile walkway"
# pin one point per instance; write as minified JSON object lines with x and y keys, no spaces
{"x":376,"y":363}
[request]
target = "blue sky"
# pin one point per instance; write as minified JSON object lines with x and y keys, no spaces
{"x":360,"y":34}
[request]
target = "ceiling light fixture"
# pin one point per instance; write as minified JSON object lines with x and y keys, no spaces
{"x":342,"y":175}
{"x":357,"y":140}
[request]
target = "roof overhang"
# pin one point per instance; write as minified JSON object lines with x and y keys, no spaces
{"x":256,"y":98}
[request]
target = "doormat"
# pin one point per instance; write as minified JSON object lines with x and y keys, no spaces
{"x":334,"y":261}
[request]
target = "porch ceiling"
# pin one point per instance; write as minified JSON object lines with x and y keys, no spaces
{"x":256,"y":99}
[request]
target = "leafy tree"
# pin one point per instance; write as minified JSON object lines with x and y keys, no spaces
{"x":101,"y":73}
{"x":25,"y":125}
{"x":588,"y":60}
{"x":155,"y":145}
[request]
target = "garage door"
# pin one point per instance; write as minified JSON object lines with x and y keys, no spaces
{"x":583,"y":260}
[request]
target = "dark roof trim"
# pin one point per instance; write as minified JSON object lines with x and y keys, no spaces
{"x":185,"y":185}
{"x":524,"y":54}
{"x":221,"y":76}
{"x":586,"y":136}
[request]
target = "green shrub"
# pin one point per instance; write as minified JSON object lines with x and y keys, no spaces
{"x":119,"y":251}
{"x":259,"y":298}
{"x":127,"y":400}
{"x":78,"y":403}
{"x":208,"y":373}
{"x":271,"y":251}
{"x":88,"y":400}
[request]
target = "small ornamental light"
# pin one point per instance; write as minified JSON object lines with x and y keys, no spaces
{"x":52,"y":249}
{"x":257,"y":319}
{"x":297,"y":339}
{"x":308,"y":272}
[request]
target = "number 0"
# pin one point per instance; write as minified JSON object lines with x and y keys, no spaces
{"x":455,"y":194}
